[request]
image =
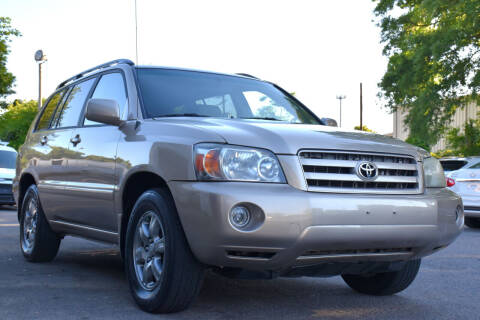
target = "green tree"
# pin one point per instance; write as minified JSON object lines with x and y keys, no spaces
{"x":16,"y":120}
{"x":433,"y":48}
{"x":364,"y":128}
{"x":6,"y":78}
{"x":465,"y":143}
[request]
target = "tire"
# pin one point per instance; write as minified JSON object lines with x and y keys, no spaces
{"x":472,"y":222}
{"x":37,"y":240}
{"x":163,"y":275}
{"x":383,"y":284}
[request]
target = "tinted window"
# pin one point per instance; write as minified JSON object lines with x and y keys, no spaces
{"x":110,"y":86}
{"x":73,"y":105}
{"x":451,"y":165}
{"x":475,"y":166}
{"x":7,"y":159}
{"x":175,"y":92}
{"x":217,"y":106}
{"x":48,"y":111}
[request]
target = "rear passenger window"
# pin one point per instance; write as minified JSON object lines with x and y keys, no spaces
{"x":475,"y":166}
{"x":110,"y":86}
{"x":73,"y":106}
{"x":48,"y":111}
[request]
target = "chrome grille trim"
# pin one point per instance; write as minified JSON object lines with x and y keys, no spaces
{"x":335,"y":171}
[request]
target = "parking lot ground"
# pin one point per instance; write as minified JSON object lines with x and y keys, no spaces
{"x":86,"y":281}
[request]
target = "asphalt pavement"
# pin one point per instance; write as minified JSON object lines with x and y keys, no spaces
{"x":86,"y":281}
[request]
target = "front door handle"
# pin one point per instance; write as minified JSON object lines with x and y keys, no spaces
{"x":44,"y":140}
{"x":76,"y":140}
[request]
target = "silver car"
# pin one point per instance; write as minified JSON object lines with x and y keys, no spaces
{"x":189,"y":171}
{"x":465,"y":181}
{"x":7,"y":172}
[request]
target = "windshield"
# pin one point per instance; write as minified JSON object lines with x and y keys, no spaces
{"x":7,"y":159}
{"x":170,"y":93}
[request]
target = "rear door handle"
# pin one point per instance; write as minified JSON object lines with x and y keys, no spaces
{"x":44,"y":140}
{"x":76,"y":140}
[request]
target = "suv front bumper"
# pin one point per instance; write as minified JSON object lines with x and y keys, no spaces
{"x":307,"y":228}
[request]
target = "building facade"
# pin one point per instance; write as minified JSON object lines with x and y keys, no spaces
{"x":400,"y":130}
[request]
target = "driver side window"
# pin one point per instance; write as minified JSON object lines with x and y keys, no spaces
{"x":110,"y":86}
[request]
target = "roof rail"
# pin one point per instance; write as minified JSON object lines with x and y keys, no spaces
{"x":246,"y":75}
{"x":99,"y":67}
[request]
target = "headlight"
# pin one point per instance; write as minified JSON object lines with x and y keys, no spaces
{"x":434,"y":176}
{"x":226,"y":162}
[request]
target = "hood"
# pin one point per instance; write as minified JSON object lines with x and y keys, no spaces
{"x":286,"y":138}
{"x":6,"y":173}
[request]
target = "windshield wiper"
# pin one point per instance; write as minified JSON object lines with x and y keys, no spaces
{"x":181,"y":115}
{"x":264,"y":118}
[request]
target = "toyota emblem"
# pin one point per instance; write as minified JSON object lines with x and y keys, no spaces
{"x":367,"y":170}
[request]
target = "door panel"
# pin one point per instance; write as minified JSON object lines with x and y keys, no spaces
{"x":49,"y":157}
{"x":91,"y":172}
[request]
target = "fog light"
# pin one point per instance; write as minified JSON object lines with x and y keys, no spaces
{"x":239,"y":217}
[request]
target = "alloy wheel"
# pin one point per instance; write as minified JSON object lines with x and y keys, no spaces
{"x":149,"y":251}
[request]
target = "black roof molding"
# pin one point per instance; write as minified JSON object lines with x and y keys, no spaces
{"x":99,"y":67}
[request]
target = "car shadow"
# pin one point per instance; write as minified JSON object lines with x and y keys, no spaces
{"x":221,"y":298}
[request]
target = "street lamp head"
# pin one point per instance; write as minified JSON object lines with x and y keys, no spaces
{"x":340,"y":96}
{"x":39,"y":56}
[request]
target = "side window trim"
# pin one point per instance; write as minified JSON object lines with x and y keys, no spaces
{"x":44,"y":107}
{"x":99,"y":76}
{"x":66,"y":92}
{"x":95,"y":77}
{"x":59,"y":109}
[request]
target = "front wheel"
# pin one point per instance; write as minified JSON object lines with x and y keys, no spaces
{"x":472,"y":222}
{"x":387,"y":283}
{"x":162,"y":272}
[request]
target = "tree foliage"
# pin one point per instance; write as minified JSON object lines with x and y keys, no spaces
{"x":364,"y":128}
{"x":464,"y":143}
{"x":434,"y":61}
{"x":7,"y":79}
{"x":16,"y":120}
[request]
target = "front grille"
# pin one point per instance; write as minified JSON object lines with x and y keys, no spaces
{"x":471,"y":208}
{"x":6,"y":188}
{"x":336,"y":171}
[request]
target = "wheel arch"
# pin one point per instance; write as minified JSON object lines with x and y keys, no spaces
{"x":136,"y":184}
{"x":26,"y":180}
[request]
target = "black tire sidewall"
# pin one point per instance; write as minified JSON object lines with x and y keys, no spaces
{"x":156,"y":202}
{"x":32,"y":192}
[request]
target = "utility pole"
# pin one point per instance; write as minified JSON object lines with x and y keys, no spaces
{"x":361,"y":108}
{"x":136,"y":34}
{"x":340,"y":98}
{"x":41,"y":59}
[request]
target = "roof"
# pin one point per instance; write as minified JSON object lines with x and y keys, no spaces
{"x":130,"y":63}
{"x":7,"y":148}
{"x":460,"y":158}
{"x":238,"y":75}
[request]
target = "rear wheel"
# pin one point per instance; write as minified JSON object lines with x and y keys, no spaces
{"x":162,"y":272}
{"x":387,"y":283}
{"x":472,"y":222}
{"x":37,"y":240}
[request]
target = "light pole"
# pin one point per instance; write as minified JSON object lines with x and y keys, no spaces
{"x":340,"y":98}
{"x":40,"y":58}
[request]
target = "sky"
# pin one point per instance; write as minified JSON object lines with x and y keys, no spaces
{"x":317,"y":49}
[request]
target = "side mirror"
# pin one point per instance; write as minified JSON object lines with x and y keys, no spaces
{"x":330,"y":122}
{"x":103,"y":111}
